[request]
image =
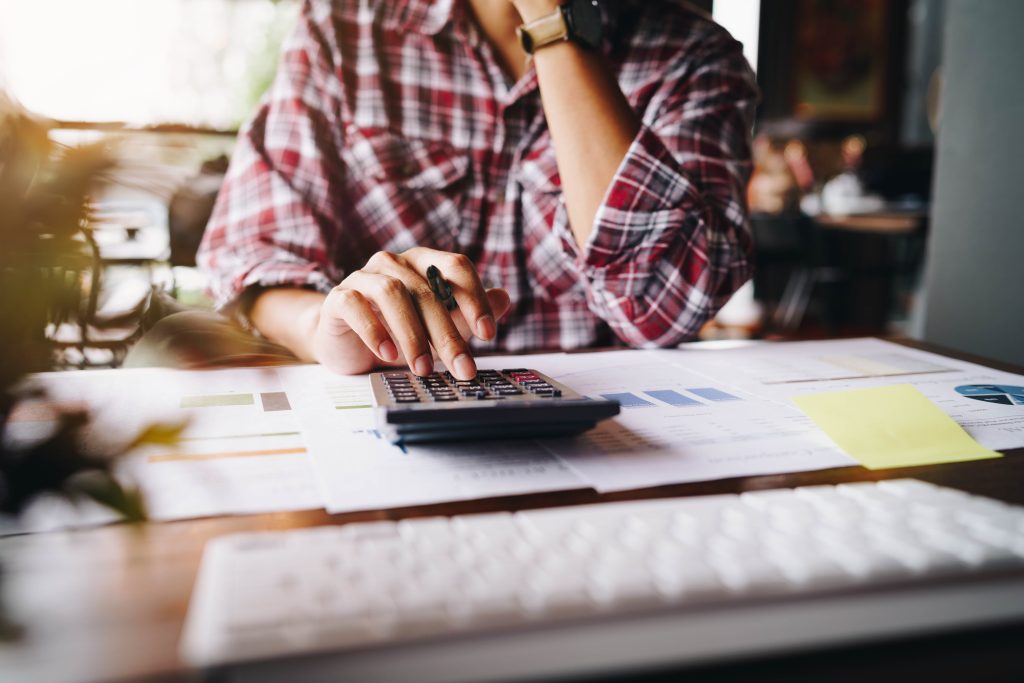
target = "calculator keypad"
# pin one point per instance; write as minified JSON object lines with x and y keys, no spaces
{"x":488,"y":385}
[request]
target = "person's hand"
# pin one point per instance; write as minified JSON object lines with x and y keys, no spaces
{"x":387,"y":311}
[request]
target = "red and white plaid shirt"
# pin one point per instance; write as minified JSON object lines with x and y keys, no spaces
{"x":390,"y":125}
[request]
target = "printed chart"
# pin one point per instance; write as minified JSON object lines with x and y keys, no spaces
{"x":1004,"y":394}
{"x":685,"y":398}
{"x":678,"y":424}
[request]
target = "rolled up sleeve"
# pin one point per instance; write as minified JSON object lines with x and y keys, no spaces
{"x":671,"y":241}
{"x":273,"y":218}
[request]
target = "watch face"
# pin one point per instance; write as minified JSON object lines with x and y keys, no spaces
{"x":585,"y":22}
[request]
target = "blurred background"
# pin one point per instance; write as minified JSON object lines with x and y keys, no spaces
{"x":844,"y":148}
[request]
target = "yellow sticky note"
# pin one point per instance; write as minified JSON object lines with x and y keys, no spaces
{"x":891,"y":426}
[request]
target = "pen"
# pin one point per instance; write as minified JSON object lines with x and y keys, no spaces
{"x":442,"y":290}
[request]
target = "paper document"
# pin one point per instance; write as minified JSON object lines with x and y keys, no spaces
{"x":358,"y":470}
{"x":800,"y":363}
{"x":680,"y":425}
{"x":988,"y":404}
{"x":241,"y":450}
{"x":891,"y":426}
{"x":300,"y":437}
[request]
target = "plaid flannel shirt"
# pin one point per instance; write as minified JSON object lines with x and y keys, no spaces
{"x":390,"y":125}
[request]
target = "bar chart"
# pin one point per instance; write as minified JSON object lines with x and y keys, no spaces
{"x":671,"y":397}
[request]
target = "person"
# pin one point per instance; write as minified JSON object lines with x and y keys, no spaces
{"x":591,"y":193}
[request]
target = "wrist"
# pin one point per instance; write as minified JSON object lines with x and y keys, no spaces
{"x":289,"y":317}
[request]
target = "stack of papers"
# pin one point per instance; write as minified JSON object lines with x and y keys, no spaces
{"x":299,"y":437}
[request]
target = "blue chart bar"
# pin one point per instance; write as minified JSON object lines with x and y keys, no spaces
{"x":628,"y":400}
{"x":712,"y":394}
{"x":673,"y":398}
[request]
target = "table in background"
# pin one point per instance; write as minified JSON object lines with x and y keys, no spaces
{"x":881,"y":252}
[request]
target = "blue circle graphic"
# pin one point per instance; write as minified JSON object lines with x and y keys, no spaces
{"x":1002,"y":394}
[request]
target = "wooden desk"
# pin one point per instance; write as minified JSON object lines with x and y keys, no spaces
{"x":109,"y":603}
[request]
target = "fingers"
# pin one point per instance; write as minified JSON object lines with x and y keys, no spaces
{"x":391,"y":297}
{"x":442,"y":331}
{"x":469,"y":292}
{"x":357,"y":313}
{"x":389,"y":302}
{"x":500,"y":303}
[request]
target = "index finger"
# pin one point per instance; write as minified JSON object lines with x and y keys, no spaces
{"x":461,"y":274}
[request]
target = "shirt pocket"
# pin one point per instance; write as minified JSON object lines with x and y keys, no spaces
{"x":403,"y":192}
{"x":553,"y":275}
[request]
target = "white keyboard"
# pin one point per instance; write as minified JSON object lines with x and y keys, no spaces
{"x":678,"y":561}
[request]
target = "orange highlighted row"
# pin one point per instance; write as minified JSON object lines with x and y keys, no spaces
{"x":184,"y":457}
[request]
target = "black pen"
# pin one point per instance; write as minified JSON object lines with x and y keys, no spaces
{"x":442,"y":290}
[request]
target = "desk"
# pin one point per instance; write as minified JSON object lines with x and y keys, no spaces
{"x":109,"y":603}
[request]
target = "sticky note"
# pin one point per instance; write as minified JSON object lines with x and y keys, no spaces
{"x":891,"y":426}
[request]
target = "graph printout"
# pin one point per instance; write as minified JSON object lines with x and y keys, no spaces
{"x":240,"y":449}
{"x":299,"y":437}
{"x":988,"y":404}
{"x":358,"y":470}
{"x":678,"y":424}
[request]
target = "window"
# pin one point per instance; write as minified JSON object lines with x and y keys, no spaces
{"x":202,"y":63}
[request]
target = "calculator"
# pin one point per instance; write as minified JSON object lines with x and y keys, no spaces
{"x":496,"y":404}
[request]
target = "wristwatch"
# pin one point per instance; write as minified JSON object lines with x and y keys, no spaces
{"x":575,"y":20}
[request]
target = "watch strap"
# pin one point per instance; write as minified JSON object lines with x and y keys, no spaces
{"x":545,"y":30}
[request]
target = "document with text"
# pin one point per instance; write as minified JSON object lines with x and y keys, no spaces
{"x":300,"y":437}
{"x":987,"y":403}
{"x":358,"y":470}
{"x":239,"y":451}
{"x":681,"y":425}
